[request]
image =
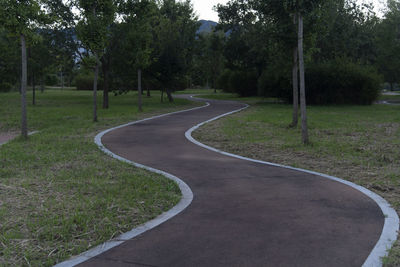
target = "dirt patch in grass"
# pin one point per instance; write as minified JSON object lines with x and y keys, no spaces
{"x":7,"y":136}
{"x":356,"y":143}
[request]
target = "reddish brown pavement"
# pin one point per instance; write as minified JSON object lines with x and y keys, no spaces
{"x":243,"y":213}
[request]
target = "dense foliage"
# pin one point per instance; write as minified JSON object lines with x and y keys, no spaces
{"x":248,"y":52}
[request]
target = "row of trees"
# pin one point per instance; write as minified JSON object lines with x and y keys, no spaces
{"x":119,"y":40}
{"x":347,"y":51}
{"x":257,"y":48}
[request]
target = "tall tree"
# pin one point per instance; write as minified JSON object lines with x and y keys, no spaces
{"x":140,"y":18}
{"x":388,"y":43}
{"x":20,"y":18}
{"x":93,"y":30}
{"x":175,"y":41}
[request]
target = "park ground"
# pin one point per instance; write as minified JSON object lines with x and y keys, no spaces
{"x":360,"y":144}
{"x":60,"y":195}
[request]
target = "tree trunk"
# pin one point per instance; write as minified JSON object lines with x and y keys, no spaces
{"x":170,"y":98}
{"x":162,"y":95}
{"x":295,"y":82}
{"x":96,"y":75}
{"x":33,"y":90}
{"x":24,"y":81}
{"x":140,"y":90}
{"x":105,"y":84}
{"x":148,"y":89}
{"x":391,"y":86}
{"x":62,"y":80}
{"x":304,"y":129}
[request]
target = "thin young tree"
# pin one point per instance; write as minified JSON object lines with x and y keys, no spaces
{"x":20,"y":18}
{"x":93,"y":30}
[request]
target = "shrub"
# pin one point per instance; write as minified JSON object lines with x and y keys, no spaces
{"x":85,"y":82}
{"x":338,"y":81}
{"x":223,"y":81}
{"x":243,"y":83}
{"x":5,"y":87}
{"x":341,"y":81}
{"x":275,"y":82}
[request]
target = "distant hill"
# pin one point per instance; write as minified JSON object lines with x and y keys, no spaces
{"x":206,"y":26}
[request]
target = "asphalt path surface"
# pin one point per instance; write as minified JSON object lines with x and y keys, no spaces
{"x":243,"y":213}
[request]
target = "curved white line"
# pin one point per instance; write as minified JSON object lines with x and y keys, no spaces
{"x":391,"y":225}
{"x":187,"y":197}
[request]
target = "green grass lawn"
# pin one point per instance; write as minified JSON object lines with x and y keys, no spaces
{"x":357,"y":143}
{"x":59,"y":194}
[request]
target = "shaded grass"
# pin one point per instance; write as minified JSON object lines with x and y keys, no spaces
{"x":59,"y":194}
{"x":390,"y":98}
{"x":357,"y":143}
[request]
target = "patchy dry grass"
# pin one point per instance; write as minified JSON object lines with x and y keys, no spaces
{"x":59,"y":194}
{"x":357,"y":143}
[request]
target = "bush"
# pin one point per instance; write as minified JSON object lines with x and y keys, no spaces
{"x":223,"y":81}
{"x":275,"y":82}
{"x":338,"y":81}
{"x":5,"y":87}
{"x":84,"y":82}
{"x":243,"y":83}
{"x":342,"y":82}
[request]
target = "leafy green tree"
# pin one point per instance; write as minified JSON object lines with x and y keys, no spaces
{"x":20,"y":18}
{"x":388,"y":43}
{"x":175,"y":37}
{"x":93,"y":30}
{"x":139,"y":18}
{"x":9,"y":59}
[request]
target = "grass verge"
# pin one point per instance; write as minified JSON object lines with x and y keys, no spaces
{"x":59,"y":194}
{"x":357,"y":143}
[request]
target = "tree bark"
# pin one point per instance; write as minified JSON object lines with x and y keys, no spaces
{"x":96,"y":75}
{"x":62,"y":79}
{"x":24,"y":81}
{"x":140,"y":90}
{"x":169,"y":95}
{"x":162,"y":95}
{"x":33,"y":90}
{"x":304,"y":129}
{"x":295,"y":82}
{"x":104,"y":67}
{"x":148,"y":89}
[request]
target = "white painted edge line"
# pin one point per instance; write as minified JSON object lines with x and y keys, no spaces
{"x":187,"y":197}
{"x":29,"y":134}
{"x":391,"y":225}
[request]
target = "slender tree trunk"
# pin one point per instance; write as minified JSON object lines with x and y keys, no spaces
{"x":304,"y":129}
{"x":62,"y":79}
{"x":170,"y":98}
{"x":140,"y":90}
{"x":162,"y":95}
{"x":295,"y":82}
{"x":96,"y":75}
{"x":33,"y":90}
{"x":391,"y":86}
{"x":105,"y":85}
{"x":148,"y":89}
{"x":24,"y":81}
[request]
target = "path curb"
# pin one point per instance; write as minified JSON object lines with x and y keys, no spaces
{"x":187,"y":197}
{"x":391,"y":225}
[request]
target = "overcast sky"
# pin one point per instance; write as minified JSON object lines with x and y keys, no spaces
{"x":204,"y":8}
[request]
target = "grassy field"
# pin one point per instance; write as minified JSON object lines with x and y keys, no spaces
{"x":59,"y":194}
{"x":357,"y":143}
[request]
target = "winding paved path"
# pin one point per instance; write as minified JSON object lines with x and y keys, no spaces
{"x":243,"y":213}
